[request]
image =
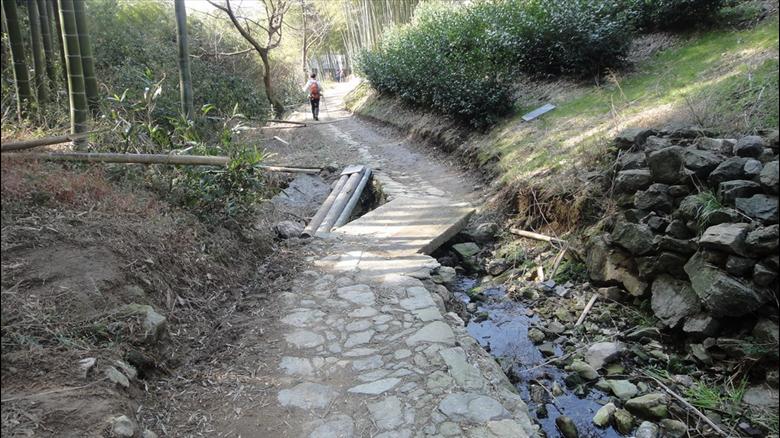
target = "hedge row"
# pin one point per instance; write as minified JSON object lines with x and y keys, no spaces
{"x":463,"y":60}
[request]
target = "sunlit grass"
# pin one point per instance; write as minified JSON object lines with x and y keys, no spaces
{"x":725,"y":80}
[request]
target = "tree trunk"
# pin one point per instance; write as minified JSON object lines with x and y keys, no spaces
{"x":185,"y":78}
{"x":43,"y":13}
{"x":41,"y":88}
{"x":277,"y":106}
{"x":79,"y":108}
{"x":303,"y":47}
{"x":87,"y":61}
{"x":60,"y":45}
{"x":21,"y":79}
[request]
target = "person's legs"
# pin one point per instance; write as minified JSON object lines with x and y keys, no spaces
{"x":315,"y":108}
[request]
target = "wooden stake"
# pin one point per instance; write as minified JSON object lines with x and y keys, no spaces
{"x":587,"y":309}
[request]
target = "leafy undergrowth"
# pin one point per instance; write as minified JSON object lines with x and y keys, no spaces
{"x":77,"y":249}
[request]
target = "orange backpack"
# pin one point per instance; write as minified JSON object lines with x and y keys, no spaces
{"x":314,"y":90}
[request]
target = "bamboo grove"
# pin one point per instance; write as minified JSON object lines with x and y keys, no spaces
{"x":60,"y":23}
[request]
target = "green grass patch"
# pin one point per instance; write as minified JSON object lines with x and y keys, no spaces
{"x":724,"y":80}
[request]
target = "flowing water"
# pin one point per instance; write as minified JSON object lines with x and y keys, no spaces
{"x":505,"y":335}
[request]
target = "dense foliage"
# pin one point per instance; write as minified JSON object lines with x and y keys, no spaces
{"x":463,"y":60}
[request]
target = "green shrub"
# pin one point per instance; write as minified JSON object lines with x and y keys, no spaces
{"x":674,"y":14}
{"x":462,"y":60}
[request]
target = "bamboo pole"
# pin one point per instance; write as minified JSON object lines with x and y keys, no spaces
{"x":344,"y":216}
{"x":192,"y":160}
{"x":43,"y":15}
{"x":79,"y":108}
{"x":87,"y":59}
{"x":341,"y":201}
{"x":39,"y":63}
{"x":185,"y":77}
{"x":537,"y":236}
{"x":315,"y":222}
{"x":27,"y":144}
{"x":21,"y":78}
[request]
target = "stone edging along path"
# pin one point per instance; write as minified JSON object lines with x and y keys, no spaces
{"x":373,"y":352}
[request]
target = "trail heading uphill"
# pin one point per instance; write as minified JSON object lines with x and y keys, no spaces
{"x":363,"y":344}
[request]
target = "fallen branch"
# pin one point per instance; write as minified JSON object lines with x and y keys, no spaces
{"x":285,"y":121}
{"x":559,"y":259}
{"x":536,"y":236}
{"x":46,"y":141}
{"x":280,"y":140}
{"x":685,"y":403}
{"x":190,"y":160}
{"x":587,"y":309}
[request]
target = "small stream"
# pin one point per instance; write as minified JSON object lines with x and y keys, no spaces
{"x":505,"y":335}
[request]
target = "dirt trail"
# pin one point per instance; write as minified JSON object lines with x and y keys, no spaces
{"x":360,"y":344}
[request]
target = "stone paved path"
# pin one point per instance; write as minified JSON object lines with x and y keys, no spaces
{"x":371,"y":350}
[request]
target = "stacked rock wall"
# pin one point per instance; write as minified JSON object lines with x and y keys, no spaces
{"x":697,"y":226}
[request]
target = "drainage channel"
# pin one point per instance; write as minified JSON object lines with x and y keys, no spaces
{"x":501,"y":326}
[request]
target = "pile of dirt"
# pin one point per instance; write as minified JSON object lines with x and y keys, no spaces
{"x":106,"y":291}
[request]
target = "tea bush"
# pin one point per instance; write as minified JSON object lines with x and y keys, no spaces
{"x":462,"y":60}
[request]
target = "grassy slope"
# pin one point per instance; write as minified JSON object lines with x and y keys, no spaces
{"x":725,"y":80}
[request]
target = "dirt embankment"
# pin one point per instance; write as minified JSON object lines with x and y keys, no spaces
{"x":106,"y":291}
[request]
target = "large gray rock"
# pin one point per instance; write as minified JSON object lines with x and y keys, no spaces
{"x":752,"y":169}
{"x":622,"y":389}
{"x":730,"y":169}
{"x":718,"y":216}
{"x":655,"y":143}
{"x":763,"y":240}
{"x":604,"y":415}
{"x":154,"y":324}
{"x":647,"y":430}
{"x":601,"y":353}
{"x":651,"y":406}
{"x":721,"y":293}
{"x":739,"y":266}
{"x":288,"y":229}
{"x":770,"y":177}
{"x":608,"y":264}
{"x":567,"y":427}
{"x":690,"y":207}
{"x":762,"y":397}
{"x":718,"y":145}
{"x":761,"y":207}
{"x":655,"y":198}
{"x":726,"y":237}
{"x":473,"y":408}
{"x":629,"y":181}
{"x":701,"y":325}
{"x":122,"y":426}
{"x":664,"y":263}
{"x":749,"y":146}
{"x":667,"y":165}
{"x":763,"y":275}
{"x":632,"y":160}
{"x":673,"y":300}
{"x":728,"y":191}
{"x":767,"y":332}
{"x":680,"y":246}
{"x":636,"y":238}
{"x":584,"y":370}
{"x":467,"y":252}
{"x":630,"y":137}
{"x":701,"y":162}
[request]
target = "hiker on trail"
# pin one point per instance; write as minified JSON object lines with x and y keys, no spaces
{"x":314,"y":90}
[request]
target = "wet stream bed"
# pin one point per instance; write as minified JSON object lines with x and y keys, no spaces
{"x":501,"y":326}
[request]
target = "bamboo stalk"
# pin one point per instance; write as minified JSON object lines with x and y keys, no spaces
{"x":537,"y":236}
{"x":344,"y":216}
{"x":27,"y":144}
{"x":39,"y":63}
{"x":43,"y":15}
{"x":315,"y":222}
{"x":79,"y":108}
{"x":341,"y":201}
{"x":87,"y":59}
{"x":21,"y":78}
{"x":192,"y":160}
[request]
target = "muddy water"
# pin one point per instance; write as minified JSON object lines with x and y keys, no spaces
{"x":505,"y":335}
